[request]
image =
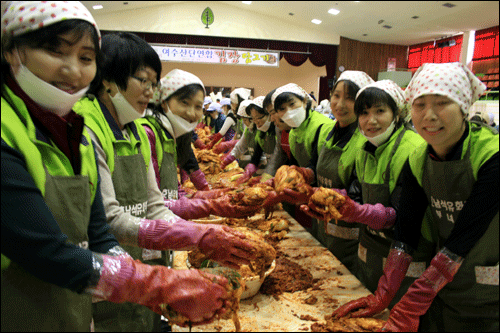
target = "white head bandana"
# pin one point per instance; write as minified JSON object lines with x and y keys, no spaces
{"x":291,"y":88}
{"x":242,"y":108}
{"x":207,"y":100}
{"x":214,"y":107}
{"x":361,"y":79}
{"x":173,"y":81}
{"x":259,"y":101}
{"x":453,"y":80}
{"x":21,"y":17}
{"x":389,"y":87}
{"x":242,"y":92}
{"x":225,"y":101}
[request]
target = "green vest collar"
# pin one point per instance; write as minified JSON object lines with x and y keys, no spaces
{"x":114,"y":126}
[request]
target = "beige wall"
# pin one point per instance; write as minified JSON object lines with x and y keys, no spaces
{"x":262,"y":79}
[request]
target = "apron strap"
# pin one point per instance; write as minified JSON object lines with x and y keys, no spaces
{"x":394,"y":148}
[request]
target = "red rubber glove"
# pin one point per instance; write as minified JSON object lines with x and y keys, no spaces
{"x":223,"y":207}
{"x":249,"y":171}
{"x":307,"y":173}
{"x":224,"y":146}
{"x":214,"y":139}
{"x":191,"y":293}
{"x":405,"y":315}
{"x":178,"y":234}
{"x":395,"y":269}
{"x":228,"y":159}
{"x":199,"y":181}
{"x":295,"y":197}
{"x":199,"y":144}
{"x":200,"y":125}
{"x":184,"y":175}
{"x":254,"y":180}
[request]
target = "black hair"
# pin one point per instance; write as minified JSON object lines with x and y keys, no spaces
{"x":123,"y":54}
{"x":257,"y":108}
{"x":240,"y":99}
{"x":375,"y":96}
{"x":352,"y":88}
{"x":46,"y":36}
{"x":267,"y":99}
{"x":287,"y":97}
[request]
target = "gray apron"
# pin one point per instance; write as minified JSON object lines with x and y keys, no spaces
{"x":244,"y":159}
{"x":374,"y":245}
{"x":470,"y":301}
{"x":342,"y":238}
{"x":33,"y":304}
{"x":130,"y":184}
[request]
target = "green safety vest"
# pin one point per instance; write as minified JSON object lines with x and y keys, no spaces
{"x":27,"y":302}
{"x":470,"y":300}
{"x":302,"y":137}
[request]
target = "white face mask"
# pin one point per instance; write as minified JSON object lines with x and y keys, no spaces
{"x":295,"y":117}
{"x":265,"y":127}
{"x":124,"y":110}
{"x":45,"y":94}
{"x":380,"y":139}
{"x":180,"y":125}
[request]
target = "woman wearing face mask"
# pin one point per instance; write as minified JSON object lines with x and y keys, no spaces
{"x":179,"y":109}
{"x":265,"y":137}
{"x":454,"y":174}
{"x":244,"y":149}
{"x":134,"y":205}
{"x":57,"y":252}
{"x":293,"y":106}
{"x":335,"y":167}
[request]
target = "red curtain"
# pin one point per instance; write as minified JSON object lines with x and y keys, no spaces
{"x":430,"y":52}
{"x":486,"y":44}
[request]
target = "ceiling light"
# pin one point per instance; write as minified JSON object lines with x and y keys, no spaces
{"x":97,"y":7}
{"x":415,"y":17}
{"x":316,"y":21}
{"x":387,"y":26}
{"x":449,"y":5}
{"x":247,"y":2}
{"x":334,"y":11}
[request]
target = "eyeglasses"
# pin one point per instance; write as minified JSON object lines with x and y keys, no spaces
{"x":146,"y":84}
{"x":260,"y":118}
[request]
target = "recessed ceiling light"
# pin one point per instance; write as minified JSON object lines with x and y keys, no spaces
{"x":97,"y":7}
{"x":449,"y":5}
{"x":415,"y":17}
{"x":387,"y":26}
{"x":291,"y":14}
{"x":247,"y":2}
{"x":334,"y":11}
{"x":316,"y":21}
{"x":365,"y":34}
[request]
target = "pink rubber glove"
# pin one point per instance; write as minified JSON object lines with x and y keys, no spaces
{"x":196,"y":295}
{"x":213,"y":140}
{"x":405,"y":315}
{"x":228,"y":159}
{"x":395,"y":269}
{"x":222,"y":207}
{"x":375,"y":216}
{"x":295,"y":197}
{"x":211,"y":194}
{"x":184,"y":175}
{"x":189,"y":209}
{"x":307,"y":173}
{"x":220,"y":243}
{"x":249,"y":171}
{"x":199,"y":144}
{"x":224,"y":146}
{"x":199,"y":181}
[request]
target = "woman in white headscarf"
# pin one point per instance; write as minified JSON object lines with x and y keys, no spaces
{"x":454,"y":174}
{"x":135,"y":207}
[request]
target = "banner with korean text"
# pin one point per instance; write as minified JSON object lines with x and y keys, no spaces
{"x":217,"y":56}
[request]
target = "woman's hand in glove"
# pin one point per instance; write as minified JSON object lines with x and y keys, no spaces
{"x":212,"y":194}
{"x":222,"y":207}
{"x":307,"y":173}
{"x":296,"y":197}
{"x":226,"y":246}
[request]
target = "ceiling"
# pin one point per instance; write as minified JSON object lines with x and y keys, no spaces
{"x":363,"y":20}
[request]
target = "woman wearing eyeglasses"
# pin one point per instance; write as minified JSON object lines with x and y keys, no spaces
{"x":134,"y":206}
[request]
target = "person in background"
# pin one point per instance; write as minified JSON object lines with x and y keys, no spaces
{"x":57,"y":252}
{"x":244,"y":149}
{"x":336,"y":164}
{"x":134,"y":206}
{"x":481,"y":117}
{"x":265,"y":138}
{"x":455,"y":174}
{"x":214,"y":111}
{"x":179,"y":107}
{"x":228,"y":130}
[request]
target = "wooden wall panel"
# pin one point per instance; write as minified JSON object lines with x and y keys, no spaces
{"x":370,"y":58}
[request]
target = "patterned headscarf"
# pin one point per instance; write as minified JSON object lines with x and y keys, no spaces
{"x":291,"y":88}
{"x":242,"y":108}
{"x":20,"y":17}
{"x":361,"y":79}
{"x":389,"y":87}
{"x":259,"y":101}
{"x":173,"y":81}
{"x":453,"y":80}
{"x":242,"y":92}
